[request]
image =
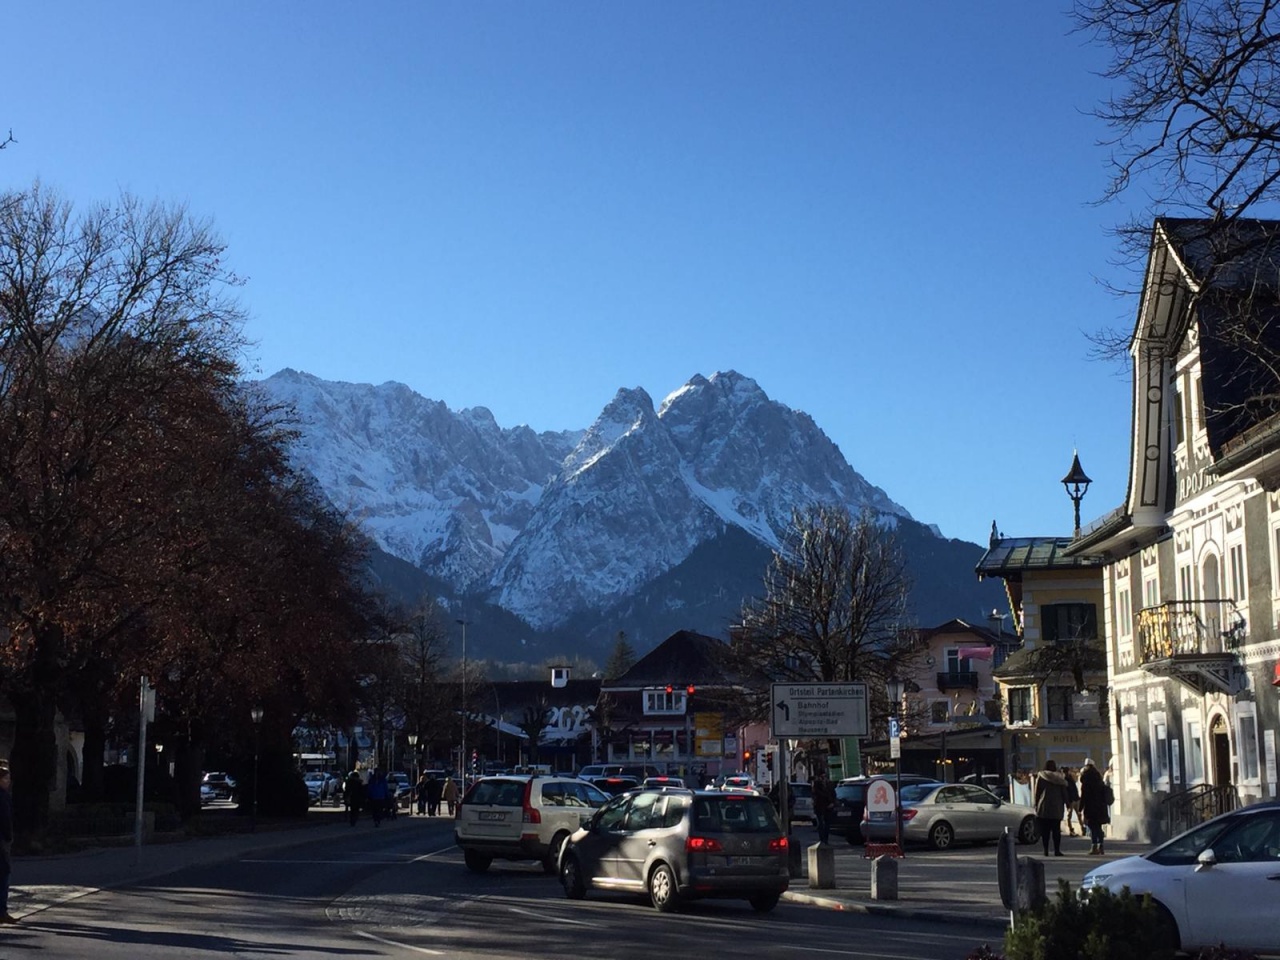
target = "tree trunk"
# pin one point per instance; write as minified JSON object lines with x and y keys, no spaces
{"x":34,"y":758}
{"x":92,"y":787}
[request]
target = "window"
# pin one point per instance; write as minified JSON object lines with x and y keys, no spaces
{"x":1124,"y":615}
{"x":1058,"y":702}
{"x":1197,"y":398}
{"x":956,"y":663}
{"x":1235,"y":562}
{"x":1195,"y":752}
{"x":662,"y":702}
{"x":1019,"y":704}
{"x":1068,"y":621}
{"x":1133,"y":760}
{"x":1159,"y":751}
{"x":1151,"y":592}
{"x":1247,"y":746}
{"x":1178,"y":414}
{"x":1186,"y":584}
{"x":940,"y":711}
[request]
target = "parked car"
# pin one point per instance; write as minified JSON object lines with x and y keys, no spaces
{"x":677,"y":845}
{"x":991,"y":781}
{"x":802,"y":800}
{"x":321,"y":786}
{"x":637,"y":770}
{"x":941,"y":814}
{"x":221,"y":785}
{"x":1212,"y":882}
{"x":519,"y":817}
{"x":207,"y":794}
{"x":614,"y":785}
{"x":851,"y":798}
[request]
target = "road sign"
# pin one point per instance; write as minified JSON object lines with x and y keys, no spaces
{"x":819,"y":709}
{"x":893,"y":728}
{"x":895,"y":748}
{"x":881,"y":798}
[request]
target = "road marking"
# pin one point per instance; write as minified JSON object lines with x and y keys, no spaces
{"x":435,"y":853}
{"x":544,"y":917}
{"x":397,"y":943}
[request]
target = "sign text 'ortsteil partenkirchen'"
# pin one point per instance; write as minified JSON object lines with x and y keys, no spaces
{"x":819,"y":709}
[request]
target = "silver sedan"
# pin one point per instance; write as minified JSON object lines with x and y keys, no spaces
{"x":939,"y":814}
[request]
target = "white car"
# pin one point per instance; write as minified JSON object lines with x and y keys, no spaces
{"x":1219,"y":882}
{"x":519,"y":817}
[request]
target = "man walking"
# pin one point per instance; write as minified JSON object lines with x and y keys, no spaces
{"x":824,"y":798}
{"x":1094,"y":794}
{"x":6,"y":843}
{"x":1049,"y":796}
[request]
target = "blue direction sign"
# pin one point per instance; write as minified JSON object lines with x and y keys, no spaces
{"x":819,"y":710}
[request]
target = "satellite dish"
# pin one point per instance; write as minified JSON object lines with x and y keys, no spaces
{"x":929,"y":661}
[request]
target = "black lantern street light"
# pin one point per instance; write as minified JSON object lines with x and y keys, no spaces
{"x":893,"y":687}
{"x":256,"y":714}
{"x":1077,"y":484}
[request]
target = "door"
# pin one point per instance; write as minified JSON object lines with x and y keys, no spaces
{"x":639,"y":837}
{"x":597,"y":848}
{"x":1237,"y":900}
{"x":1221,"y":744}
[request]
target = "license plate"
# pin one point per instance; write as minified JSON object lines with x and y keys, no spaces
{"x":744,"y":861}
{"x":492,"y":815}
{"x":881,"y":815}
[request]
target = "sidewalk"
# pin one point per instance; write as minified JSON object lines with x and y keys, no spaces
{"x":959,"y":885}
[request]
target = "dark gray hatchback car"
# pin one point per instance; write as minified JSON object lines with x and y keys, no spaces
{"x":677,"y":845}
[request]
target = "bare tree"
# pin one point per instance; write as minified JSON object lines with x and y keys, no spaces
{"x":834,"y":604}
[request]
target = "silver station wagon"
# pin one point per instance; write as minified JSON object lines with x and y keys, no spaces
{"x":678,"y":845}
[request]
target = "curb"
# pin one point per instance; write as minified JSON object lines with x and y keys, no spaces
{"x":891,"y":910}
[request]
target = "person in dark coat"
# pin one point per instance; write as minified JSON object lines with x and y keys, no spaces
{"x":6,"y":843}
{"x":420,"y":794}
{"x":353,"y":795}
{"x":435,"y":790}
{"x":824,"y":798}
{"x":1049,"y":796}
{"x":1093,"y":805}
{"x":377,"y":792}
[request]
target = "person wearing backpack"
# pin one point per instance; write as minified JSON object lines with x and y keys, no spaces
{"x":1095,"y":797}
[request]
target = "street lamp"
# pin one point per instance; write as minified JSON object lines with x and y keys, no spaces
{"x":256,"y":715}
{"x":1077,"y":484}
{"x":464,"y":624}
{"x":413,"y":748}
{"x":893,"y":686}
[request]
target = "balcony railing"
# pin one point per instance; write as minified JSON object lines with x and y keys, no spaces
{"x":1182,"y":627}
{"x":959,"y":680}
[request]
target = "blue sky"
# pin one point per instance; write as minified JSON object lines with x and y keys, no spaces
{"x":883,"y":213}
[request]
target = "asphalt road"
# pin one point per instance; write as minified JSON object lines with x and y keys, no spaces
{"x":369,"y":892}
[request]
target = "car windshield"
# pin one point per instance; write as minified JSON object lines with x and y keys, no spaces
{"x":735,"y":814}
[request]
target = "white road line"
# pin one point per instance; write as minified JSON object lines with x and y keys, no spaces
{"x":434,"y":853}
{"x":385,"y":863}
{"x":397,"y":943}
{"x":544,"y":917}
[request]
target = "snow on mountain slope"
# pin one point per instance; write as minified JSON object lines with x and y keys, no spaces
{"x":547,"y":525}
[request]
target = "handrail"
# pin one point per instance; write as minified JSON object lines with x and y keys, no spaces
{"x":1198,"y":803}
{"x":1190,"y":627}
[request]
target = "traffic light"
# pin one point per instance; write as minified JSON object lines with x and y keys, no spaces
{"x":746,"y":757}
{"x":768,"y":759}
{"x":475,"y":760}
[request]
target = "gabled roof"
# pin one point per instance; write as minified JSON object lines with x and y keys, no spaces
{"x":961,"y":626}
{"x":683,"y":658}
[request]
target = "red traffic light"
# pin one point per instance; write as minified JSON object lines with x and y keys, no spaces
{"x":746,"y":755}
{"x":669,"y":688}
{"x":690,"y":689}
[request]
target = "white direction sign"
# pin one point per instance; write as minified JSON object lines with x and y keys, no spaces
{"x":819,"y":710}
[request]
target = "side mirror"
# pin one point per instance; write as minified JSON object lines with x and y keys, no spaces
{"x":1206,"y":859}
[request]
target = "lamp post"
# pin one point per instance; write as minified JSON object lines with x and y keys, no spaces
{"x":463,"y":758}
{"x":256,"y":715}
{"x":1077,"y":484}
{"x":413,"y":748}
{"x":893,"y":686}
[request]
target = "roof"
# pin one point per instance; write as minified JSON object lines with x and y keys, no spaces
{"x":962,"y":626}
{"x":1010,"y":557}
{"x":684,"y":657}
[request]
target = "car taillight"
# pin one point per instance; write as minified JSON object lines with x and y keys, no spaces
{"x":909,"y":813}
{"x":531,"y":814}
{"x":702,"y":845}
{"x":778,"y":845}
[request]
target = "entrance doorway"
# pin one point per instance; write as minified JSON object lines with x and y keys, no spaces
{"x":1220,"y":743}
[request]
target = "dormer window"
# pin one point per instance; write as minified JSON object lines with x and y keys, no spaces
{"x":660,"y":702}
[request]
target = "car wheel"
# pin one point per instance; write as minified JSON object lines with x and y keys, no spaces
{"x":1167,"y":927}
{"x":575,"y":885}
{"x":1027,"y":831}
{"x":764,"y":902}
{"x":941,"y":835}
{"x":476,"y":862}
{"x":551,"y":864}
{"x":662,"y":889}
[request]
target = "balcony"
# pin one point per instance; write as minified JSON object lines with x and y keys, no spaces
{"x":1194,"y":641}
{"x":966,"y":680}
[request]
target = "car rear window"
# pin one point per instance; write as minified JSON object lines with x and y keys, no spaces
{"x":802,"y":790}
{"x":735,"y":814}
{"x":916,"y":791}
{"x":497,"y":793}
{"x":851,"y":792}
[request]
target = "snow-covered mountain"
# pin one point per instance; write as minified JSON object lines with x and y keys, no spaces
{"x":549,"y":525}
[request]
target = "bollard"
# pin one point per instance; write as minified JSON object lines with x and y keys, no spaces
{"x":822,"y":867}
{"x":884,"y":878}
{"x":1029,"y":893}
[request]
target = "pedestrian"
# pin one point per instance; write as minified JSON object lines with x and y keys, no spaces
{"x":420,"y":794}
{"x":353,"y":796}
{"x":435,"y":790}
{"x":449,"y":793}
{"x":375,"y":792}
{"x":6,"y":843}
{"x":824,"y":798}
{"x":1049,"y":796}
{"x":1073,"y":801}
{"x":1094,"y":800}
